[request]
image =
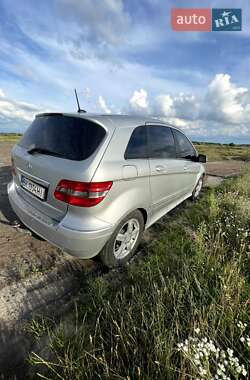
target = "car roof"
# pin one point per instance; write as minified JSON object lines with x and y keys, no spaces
{"x":111,"y":121}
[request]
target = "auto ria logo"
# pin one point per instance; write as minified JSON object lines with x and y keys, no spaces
{"x":206,"y":19}
{"x":226,"y":19}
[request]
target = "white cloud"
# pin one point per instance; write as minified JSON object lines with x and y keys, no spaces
{"x":224,"y":101}
{"x":139,"y":101}
{"x":100,"y":20}
{"x":186,"y":106}
{"x":164,"y":105}
{"x":11,"y":109}
{"x":182,"y":106}
{"x":103,"y":105}
{"x":223,"y":109}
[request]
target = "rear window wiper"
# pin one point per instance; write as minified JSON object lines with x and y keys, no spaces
{"x":33,"y":150}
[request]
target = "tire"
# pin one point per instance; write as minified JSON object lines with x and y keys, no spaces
{"x":114,"y":254}
{"x":197,"y":190}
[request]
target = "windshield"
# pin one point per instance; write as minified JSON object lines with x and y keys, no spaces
{"x":72,"y":138}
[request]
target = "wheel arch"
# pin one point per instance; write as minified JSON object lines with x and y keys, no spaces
{"x":144,"y":214}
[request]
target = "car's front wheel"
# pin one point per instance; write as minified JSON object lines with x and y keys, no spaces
{"x":124,"y":241}
{"x":198,"y":188}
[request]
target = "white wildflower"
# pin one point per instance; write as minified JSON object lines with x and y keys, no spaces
{"x":230,"y":352}
{"x":244,"y":372}
{"x":209,"y":359}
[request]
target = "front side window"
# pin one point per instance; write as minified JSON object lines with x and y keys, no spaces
{"x":184,"y":147}
{"x":137,"y":146}
{"x":161,"y":142}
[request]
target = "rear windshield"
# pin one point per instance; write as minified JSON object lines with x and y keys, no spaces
{"x":72,"y":138}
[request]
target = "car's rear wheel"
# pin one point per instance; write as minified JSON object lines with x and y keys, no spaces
{"x":197,"y":190}
{"x":124,"y":241}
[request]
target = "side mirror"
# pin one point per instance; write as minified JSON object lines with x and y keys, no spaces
{"x":202,"y":158}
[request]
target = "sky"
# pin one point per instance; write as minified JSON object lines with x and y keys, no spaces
{"x":123,"y":57}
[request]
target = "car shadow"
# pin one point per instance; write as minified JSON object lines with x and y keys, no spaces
{"x":7,"y":215}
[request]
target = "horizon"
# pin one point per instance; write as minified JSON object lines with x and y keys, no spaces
{"x":221,"y":140}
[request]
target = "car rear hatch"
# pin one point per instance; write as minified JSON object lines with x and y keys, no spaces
{"x":56,"y":147}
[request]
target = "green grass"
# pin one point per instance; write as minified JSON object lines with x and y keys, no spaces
{"x":218,"y":152}
{"x":127,"y":325}
{"x":5,"y":137}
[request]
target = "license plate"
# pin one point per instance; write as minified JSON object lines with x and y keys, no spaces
{"x":33,"y":188}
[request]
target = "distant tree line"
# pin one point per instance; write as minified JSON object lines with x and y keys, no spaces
{"x":10,"y":134}
{"x":217,"y":143}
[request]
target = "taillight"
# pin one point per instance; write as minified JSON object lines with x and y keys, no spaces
{"x":82,"y":194}
{"x":13,"y":170}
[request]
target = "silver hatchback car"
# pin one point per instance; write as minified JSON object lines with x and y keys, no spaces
{"x":90,"y":184}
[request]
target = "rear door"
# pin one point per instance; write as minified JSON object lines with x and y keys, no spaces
{"x":55,"y":147}
{"x":165,"y":168}
{"x":186,"y":154}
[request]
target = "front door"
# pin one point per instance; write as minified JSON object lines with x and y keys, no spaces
{"x":165,"y":169}
{"x":186,"y":154}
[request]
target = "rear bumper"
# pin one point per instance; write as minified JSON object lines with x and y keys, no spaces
{"x":80,"y":243}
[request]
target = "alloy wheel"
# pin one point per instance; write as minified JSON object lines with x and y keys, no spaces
{"x":126,"y":238}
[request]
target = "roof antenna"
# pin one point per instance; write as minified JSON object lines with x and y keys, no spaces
{"x":78,"y":104}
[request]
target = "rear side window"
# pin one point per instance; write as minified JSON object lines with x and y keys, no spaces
{"x":72,"y":138}
{"x":137,"y":146}
{"x":161,"y":142}
{"x":184,"y":147}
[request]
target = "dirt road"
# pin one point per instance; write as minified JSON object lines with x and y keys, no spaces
{"x":35,"y":279}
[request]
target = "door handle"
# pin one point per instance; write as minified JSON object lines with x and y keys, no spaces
{"x":185,"y":167}
{"x":159,"y":168}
